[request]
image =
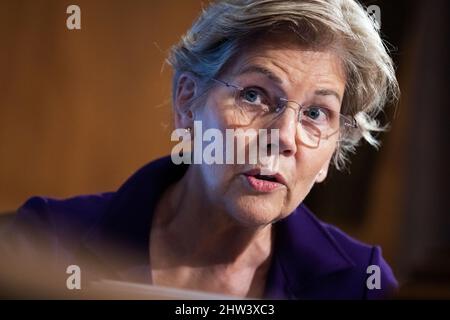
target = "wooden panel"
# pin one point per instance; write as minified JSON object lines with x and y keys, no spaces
{"x":81,"y":110}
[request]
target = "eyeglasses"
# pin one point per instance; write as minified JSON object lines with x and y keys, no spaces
{"x":317,"y":123}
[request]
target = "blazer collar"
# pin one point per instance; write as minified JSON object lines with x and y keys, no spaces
{"x":304,"y":250}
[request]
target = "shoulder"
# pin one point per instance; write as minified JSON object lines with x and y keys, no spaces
{"x":323,"y":262}
{"x":80,"y":210}
{"x":378,"y":278}
{"x":44,"y":238}
{"x":53,"y":222}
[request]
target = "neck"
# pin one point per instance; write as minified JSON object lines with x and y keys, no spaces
{"x":205,"y":231}
{"x":200,"y":234}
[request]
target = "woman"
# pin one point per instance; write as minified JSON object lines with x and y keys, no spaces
{"x":315,"y":70}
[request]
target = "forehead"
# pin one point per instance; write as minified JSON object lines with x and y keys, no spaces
{"x":290,"y":64}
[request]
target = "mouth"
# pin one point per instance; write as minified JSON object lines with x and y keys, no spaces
{"x":264,"y":182}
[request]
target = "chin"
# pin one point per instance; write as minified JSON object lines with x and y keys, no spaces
{"x":255,"y":211}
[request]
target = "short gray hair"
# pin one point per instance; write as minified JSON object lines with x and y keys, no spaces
{"x":223,"y":27}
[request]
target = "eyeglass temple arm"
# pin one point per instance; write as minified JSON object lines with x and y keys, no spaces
{"x":229,"y":85}
{"x":351,"y":122}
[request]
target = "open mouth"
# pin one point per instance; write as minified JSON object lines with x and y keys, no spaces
{"x":266,"y":177}
{"x":264,"y":182}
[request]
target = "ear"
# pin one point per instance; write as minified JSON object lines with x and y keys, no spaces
{"x":186,"y":90}
{"x":321,"y":176}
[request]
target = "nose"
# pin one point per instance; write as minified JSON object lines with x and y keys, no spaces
{"x":287,"y":124}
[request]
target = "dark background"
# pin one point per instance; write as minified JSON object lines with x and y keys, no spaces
{"x":398,"y":197}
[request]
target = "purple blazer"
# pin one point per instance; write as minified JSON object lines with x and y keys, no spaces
{"x":311,"y":260}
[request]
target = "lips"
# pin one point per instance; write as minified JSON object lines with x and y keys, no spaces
{"x":264,"y":182}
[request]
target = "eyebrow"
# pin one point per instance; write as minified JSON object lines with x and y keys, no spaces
{"x":263,"y":70}
{"x":272,"y":76}
{"x":328,"y":92}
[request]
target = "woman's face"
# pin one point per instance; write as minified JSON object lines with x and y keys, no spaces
{"x":307,"y":77}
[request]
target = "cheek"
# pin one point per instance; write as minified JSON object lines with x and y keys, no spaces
{"x":214,"y":115}
{"x":215,"y":177}
{"x":308,"y":164}
{"x":310,"y":161}
{"x":220,"y":113}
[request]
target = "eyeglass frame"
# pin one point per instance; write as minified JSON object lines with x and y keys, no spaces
{"x":349,"y":121}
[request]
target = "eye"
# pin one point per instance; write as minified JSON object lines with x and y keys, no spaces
{"x":254,"y":99}
{"x":251,"y":95}
{"x":255,"y":96}
{"x":317,"y":114}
